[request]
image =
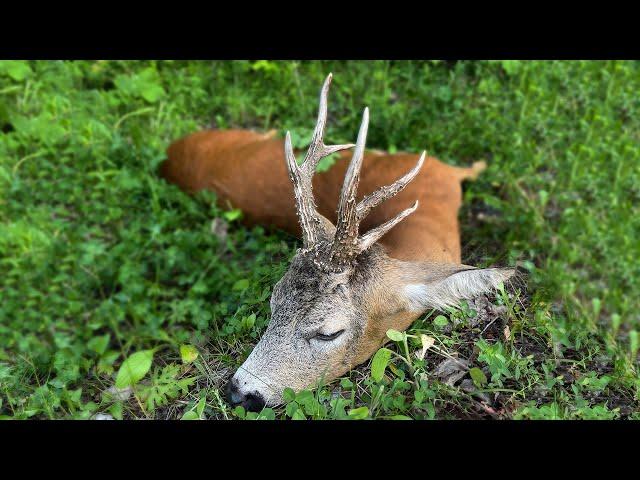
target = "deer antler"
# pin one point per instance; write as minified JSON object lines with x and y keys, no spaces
{"x":301,"y":176}
{"x":346,"y":244}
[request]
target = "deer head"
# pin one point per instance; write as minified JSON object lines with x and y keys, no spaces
{"x":342,"y":292}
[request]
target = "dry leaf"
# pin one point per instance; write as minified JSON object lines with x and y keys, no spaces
{"x":451,"y":370}
{"x":119,"y":393}
{"x":427,"y":343}
{"x":507,"y":332}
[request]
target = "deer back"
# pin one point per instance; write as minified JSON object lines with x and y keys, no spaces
{"x":247,"y":171}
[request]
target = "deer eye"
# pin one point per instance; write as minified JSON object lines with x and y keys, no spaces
{"x":326,"y":338}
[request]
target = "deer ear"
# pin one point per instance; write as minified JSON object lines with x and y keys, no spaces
{"x":444,"y":286}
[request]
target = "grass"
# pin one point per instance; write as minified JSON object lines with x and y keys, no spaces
{"x":111,"y":277}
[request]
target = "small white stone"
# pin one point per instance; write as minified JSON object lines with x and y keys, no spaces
{"x":102,"y":416}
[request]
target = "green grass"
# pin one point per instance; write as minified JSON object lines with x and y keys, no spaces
{"x":100,"y":259}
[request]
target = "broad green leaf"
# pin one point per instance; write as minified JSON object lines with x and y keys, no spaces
{"x":145,"y":84}
{"x":73,"y":396}
{"x":267,"y":414}
{"x":240,"y":285}
{"x":16,"y":69}
{"x":511,"y":67}
{"x":232,"y":215}
{"x":42,"y":127}
{"x":152,"y":92}
{"x":291,"y":408}
{"x":249,"y":321}
{"x":305,"y":397}
{"x":346,"y":383}
{"x":188,"y":353}
{"x":298,"y":415}
{"x":440,"y":321}
{"x":288,"y":395}
{"x":379,"y":363}
{"x":395,"y":335}
{"x":309,"y":402}
{"x":359,"y":413}
{"x":200,"y":407}
{"x":116,"y":410}
{"x":190,"y":415}
{"x":478,"y":377}
{"x":134,"y":368}
{"x":99,"y":344}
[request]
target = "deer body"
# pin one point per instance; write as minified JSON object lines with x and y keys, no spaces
{"x":247,"y":171}
{"x":367,"y":263}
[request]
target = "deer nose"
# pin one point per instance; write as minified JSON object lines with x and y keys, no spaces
{"x":253,"y":402}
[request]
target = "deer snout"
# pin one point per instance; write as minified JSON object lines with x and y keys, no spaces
{"x":251,"y":401}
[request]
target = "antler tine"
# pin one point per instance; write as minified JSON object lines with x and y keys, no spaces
{"x":317,"y":148}
{"x":373,"y":235}
{"x":301,"y":176}
{"x":376,"y":198}
{"x":347,"y":224}
{"x":302,"y":189}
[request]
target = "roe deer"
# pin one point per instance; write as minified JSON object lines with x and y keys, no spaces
{"x":343,"y":290}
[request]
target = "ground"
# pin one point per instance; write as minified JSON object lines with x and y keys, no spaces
{"x":122,"y":297}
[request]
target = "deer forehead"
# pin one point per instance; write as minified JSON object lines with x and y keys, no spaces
{"x":315,"y":299}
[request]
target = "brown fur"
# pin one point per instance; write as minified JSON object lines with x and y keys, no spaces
{"x":247,"y":170}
